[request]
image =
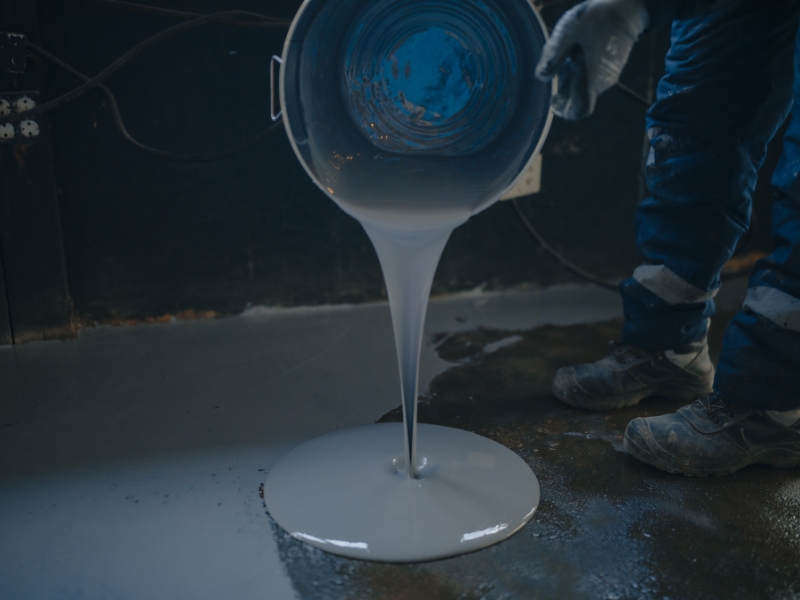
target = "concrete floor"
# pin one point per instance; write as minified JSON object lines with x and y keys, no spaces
{"x":131,"y":461}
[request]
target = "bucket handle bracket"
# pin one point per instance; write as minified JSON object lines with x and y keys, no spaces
{"x":273,"y":88}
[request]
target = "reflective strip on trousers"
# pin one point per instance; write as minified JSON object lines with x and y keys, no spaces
{"x":671,"y":288}
{"x":777,"y":306}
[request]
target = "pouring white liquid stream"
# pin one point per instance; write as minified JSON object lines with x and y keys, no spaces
{"x":348,"y":493}
{"x":345,"y":493}
{"x":409,"y":262}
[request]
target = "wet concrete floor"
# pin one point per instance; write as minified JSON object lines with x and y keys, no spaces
{"x":131,"y":460}
{"x":608,"y":527}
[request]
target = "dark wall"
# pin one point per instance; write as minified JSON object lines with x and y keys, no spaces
{"x":34,"y":297}
{"x":144,"y":236}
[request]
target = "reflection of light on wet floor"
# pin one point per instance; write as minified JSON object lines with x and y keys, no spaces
{"x":783,"y":519}
{"x":504,"y":343}
{"x":340,"y":543}
{"x":484,"y":532}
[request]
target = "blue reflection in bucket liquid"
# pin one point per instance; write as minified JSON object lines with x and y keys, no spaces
{"x":438,"y":78}
{"x":442,"y":79}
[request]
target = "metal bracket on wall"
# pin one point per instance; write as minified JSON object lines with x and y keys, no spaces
{"x":12,"y":52}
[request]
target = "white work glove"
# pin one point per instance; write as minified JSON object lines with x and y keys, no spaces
{"x":588,"y":49}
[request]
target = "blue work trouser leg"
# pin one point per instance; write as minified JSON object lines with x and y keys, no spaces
{"x":760,"y":361}
{"x":726,"y":91}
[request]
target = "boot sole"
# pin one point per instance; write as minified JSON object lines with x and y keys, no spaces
{"x":630,"y":399}
{"x":790,"y":461}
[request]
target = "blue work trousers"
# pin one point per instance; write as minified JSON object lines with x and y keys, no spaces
{"x":730,"y":80}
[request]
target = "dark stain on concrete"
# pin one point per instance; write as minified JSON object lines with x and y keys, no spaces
{"x":607,"y":527}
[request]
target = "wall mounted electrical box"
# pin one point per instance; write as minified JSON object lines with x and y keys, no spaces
{"x":24,"y":131}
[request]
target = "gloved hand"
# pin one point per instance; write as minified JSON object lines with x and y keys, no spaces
{"x":588,"y":49}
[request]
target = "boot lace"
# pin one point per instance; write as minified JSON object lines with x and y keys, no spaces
{"x":714,"y":408}
{"x":625,"y":353}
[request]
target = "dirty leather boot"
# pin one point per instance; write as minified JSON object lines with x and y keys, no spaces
{"x":711,"y":437}
{"x":629,"y":374}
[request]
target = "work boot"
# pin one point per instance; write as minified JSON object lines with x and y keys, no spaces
{"x":629,"y":374}
{"x":711,"y":437}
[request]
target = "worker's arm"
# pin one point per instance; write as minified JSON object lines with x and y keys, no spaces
{"x":588,"y":49}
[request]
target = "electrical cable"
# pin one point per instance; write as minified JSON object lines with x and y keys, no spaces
{"x":573,"y":268}
{"x":633,"y":94}
{"x":181,"y":14}
{"x":125,"y":58}
{"x":143,"y":147}
{"x":546,"y":5}
{"x":557,"y":255}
